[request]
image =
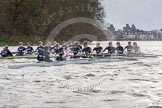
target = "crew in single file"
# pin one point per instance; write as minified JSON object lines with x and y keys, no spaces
{"x":63,"y":51}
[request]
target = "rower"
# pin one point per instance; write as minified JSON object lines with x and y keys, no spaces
{"x":79,"y":45}
{"x":60,"y":52}
{"x":76,"y":50}
{"x":64,"y":46}
{"x":129,"y":48}
{"x":6,"y":52}
{"x":136,"y":48}
{"x":87,"y":51}
{"x":29,"y":49}
{"x":40,"y":52}
{"x":40,"y":47}
{"x":48,"y":45}
{"x":98,"y":49}
{"x":119,"y":48}
{"x":110,"y":49}
{"x":53,"y":46}
{"x":71,"y":46}
{"x":21,"y":49}
{"x":44,"y":55}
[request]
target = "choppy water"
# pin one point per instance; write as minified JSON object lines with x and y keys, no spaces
{"x":127,"y":84}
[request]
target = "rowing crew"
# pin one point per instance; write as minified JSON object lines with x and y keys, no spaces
{"x":60,"y":52}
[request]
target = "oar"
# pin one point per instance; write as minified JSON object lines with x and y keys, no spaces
{"x":151,"y":54}
{"x":14,"y":52}
{"x":107,"y":54}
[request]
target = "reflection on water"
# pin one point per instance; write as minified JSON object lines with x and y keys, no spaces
{"x":127,"y":84}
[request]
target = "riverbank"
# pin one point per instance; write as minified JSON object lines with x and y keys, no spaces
{"x":13,"y":41}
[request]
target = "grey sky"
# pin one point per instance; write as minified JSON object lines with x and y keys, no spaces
{"x":145,"y":14}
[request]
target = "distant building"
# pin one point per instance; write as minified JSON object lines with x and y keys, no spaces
{"x":160,"y":34}
{"x":133,"y":33}
{"x":133,"y":28}
{"x":127,"y":28}
{"x":111,"y":28}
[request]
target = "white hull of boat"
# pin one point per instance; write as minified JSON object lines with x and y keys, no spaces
{"x":72,"y":61}
{"x":49,"y":64}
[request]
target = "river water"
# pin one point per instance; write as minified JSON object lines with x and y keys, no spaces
{"x":123,"y":84}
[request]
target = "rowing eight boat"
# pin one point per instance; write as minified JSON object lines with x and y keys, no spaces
{"x":107,"y":58}
{"x":73,"y":61}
